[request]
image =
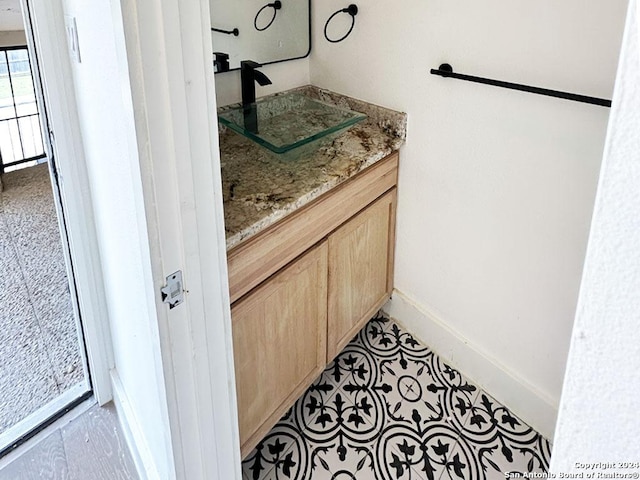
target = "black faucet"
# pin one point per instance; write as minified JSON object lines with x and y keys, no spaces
{"x":248,"y":76}
{"x":221,"y":62}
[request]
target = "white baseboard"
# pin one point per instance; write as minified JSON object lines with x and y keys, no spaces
{"x":523,"y":399}
{"x":136,"y":441}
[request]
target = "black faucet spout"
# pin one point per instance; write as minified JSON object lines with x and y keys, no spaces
{"x":261,"y":78}
{"x":248,"y":77}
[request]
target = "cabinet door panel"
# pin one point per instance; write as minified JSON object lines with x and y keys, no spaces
{"x":279,"y":341}
{"x":360,"y":270}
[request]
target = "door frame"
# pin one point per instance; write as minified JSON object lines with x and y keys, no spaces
{"x":51,"y":69}
{"x":173,"y":95}
{"x":170,"y":70}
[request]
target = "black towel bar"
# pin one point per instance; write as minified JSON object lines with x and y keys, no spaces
{"x":235,"y":32}
{"x":446,"y":70}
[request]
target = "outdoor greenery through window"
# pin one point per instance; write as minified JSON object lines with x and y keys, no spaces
{"x":20,"y":134}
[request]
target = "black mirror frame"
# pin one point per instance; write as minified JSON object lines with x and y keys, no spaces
{"x":284,"y":59}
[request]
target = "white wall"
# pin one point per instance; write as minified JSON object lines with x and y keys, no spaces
{"x":107,"y":127}
{"x":598,"y":420}
{"x":496,"y":186}
{"x":12,"y":38}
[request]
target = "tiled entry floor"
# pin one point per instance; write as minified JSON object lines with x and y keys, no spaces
{"x":389,"y":408}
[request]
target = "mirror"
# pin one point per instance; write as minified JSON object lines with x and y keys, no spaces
{"x":265,"y":31}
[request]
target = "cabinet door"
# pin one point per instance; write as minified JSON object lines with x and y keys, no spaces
{"x":279,"y":342}
{"x":360,"y":270}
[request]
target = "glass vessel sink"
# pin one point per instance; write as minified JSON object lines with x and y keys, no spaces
{"x":282,"y":123}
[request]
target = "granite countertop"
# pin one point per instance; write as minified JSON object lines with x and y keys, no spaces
{"x":259,"y":188}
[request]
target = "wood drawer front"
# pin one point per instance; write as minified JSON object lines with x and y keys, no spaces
{"x":279,"y":343}
{"x":360,"y":270}
{"x":261,"y":256}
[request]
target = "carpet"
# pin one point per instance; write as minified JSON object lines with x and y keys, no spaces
{"x":39,"y":343}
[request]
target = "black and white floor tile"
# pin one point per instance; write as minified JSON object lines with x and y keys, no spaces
{"x":389,"y":408}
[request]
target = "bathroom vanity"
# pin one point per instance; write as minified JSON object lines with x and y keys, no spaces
{"x":310,"y":255}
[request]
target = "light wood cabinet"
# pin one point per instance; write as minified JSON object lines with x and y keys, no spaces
{"x":259,"y":257}
{"x":279,"y":343}
{"x":360,"y":270}
{"x":303,"y":287}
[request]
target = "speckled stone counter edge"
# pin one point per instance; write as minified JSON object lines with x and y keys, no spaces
{"x":390,"y":121}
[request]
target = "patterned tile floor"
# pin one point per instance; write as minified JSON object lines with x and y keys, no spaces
{"x":388,"y":408}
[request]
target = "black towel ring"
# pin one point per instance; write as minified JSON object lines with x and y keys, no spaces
{"x":277,"y":5}
{"x":351,"y":10}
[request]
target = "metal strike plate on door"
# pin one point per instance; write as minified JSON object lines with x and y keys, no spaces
{"x":173,"y":293}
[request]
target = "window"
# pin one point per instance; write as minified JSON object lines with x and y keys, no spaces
{"x":20,"y":133}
